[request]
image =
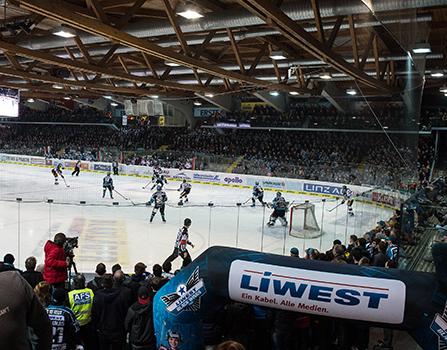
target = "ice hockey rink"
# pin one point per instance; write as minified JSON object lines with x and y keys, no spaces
{"x":112,"y":233}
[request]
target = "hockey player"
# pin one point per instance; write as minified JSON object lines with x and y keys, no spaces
{"x":77,"y":168}
{"x":107,"y":184}
{"x":57,"y":171}
{"x":158,"y":181}
{"x":184,"y":189}
{"x":159,"y":198}
{"x":181,"y":244}
{"x":279,"y":206}
{"x":157,"y":171}
{"x":347,"y":198}
{"x":115,"y":167}
{"x":258,"y":193}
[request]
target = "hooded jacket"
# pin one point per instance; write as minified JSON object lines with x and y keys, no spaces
{"x":109,"y":311}
{"x":139,"y":324}
{"x":55,"y":270}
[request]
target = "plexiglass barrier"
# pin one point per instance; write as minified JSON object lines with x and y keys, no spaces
{"x":117,"y":230}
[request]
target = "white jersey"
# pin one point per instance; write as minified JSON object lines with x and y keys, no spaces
{"x":346,"y":193}
{"x":184,"y":186}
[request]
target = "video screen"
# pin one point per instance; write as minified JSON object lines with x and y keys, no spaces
{"x":9,"y":102}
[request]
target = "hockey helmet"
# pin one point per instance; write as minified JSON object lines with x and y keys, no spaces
{"x":108,"y":173}
{"x":257,"y":183}
{"x":159,"y":187}
{"x":344,"y":187}
{"x":184,"y":180}
{"x":278,"y":194}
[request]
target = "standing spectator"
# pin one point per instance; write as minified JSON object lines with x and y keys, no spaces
{"x":108,"y":314}
{"x":81,"y":302}
{"x":43,"y":292}
{"x":392,"y":252}
{"x":21,"y":309}
{"x":30,"y":275}
{"x":380,"y":258}
{"x":55,"y":270}
{"x":295,"y":252}
{"x":63,"y":320}
{"x":138,"y":279}
{"x":139,"y":322}
{"x":157,"y":276}
{"x":9,"y":260}
{"x":96,"y":282}
{"x":167,"y":268}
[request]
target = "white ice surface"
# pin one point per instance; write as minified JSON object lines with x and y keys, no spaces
{"x":123,"y":234}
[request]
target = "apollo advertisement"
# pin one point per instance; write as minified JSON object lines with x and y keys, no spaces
{"x":319,"y":293}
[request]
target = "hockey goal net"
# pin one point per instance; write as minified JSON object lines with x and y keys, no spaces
{"x":303,"y":223}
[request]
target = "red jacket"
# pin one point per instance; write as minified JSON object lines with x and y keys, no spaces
{"x":55,"y":270}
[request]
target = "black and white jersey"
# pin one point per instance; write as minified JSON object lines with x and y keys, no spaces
{"x":58,"y":168}
{"x":107,"y":181}
{"x":184,"y":187}
{"x":159,"y":198}
{"x":258,"y":191}
{"x":78,"y":164}
{"x":346,"y":193}
{"x":182,"y":239}
{"x":65,"y":327}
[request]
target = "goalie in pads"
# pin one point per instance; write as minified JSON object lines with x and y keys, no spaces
{"x":279,"y":206}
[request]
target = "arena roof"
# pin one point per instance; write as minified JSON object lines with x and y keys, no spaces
{"x":146,"y":48}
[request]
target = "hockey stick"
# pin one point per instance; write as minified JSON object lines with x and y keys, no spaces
{"x":65,"y":182}
{"x":145,"y":186}
{"x":329,"y":210}
{"x":125,"y":198}
{"x":247,"y":200}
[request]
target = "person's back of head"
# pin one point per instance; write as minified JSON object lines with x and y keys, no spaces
{"x":9,"y":259}
{"x":43,"y":292}
{"x":382,"y":247}
{"x":100,"y":269}
{"x":361,"y":242}
{"x":59,"y":239}
{"x":364,"y":261}
{"x":157,"y":270}
{"x":30,"y":263}
{"x":115,"y":268}
{"x":336,"y":242}
{"x":118,"y":278}
{"x":79,"y":281}
{"x":167,"y":266}
{"x":353,"y":239}
{"x":107,"y":281}
{"x":140,"y":268}
{"x":357,"y":254}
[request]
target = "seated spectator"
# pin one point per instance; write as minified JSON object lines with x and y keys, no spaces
{"x":64,"y":323}
{"x":55,"y":270}
{"x":81,"y":301}
{"x":312,"y":254}
{"x":330,"y":252}
{"x":380,"y":258}
{"x":139,"y":322}
{"x":295,"y":252}
{"x":339,"y":254}
{"x":30,"y":275}
{"x":21,"y":309}
{"x":96,"y":282}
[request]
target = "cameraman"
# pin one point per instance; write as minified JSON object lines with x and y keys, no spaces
{"x":56,"y":261}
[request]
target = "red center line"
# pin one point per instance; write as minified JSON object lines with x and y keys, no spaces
{"x":318,"y":281}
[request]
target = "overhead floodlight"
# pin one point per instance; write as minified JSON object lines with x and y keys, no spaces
{"x":190,"y":13}
{"x":274,"y":93}
{"x":171,"y":64}
{"x":154,"y":96}
{"x":114,"y":104}
{"x":445,"y":95}
{"x":108,"y":97}
{"x":67,"y":98}
{"x":56,"y":86}
{"x":64,"y":32}
{"x":443,"y":89}
{"x":421,"y":48}
{"x":351,"y":92}
{"x":197,"y":103}
{"x":277,"y":55}
{"x":294,"y":93}
{"x":437,"y":74}
{"x":209,"y":94}
{"x":325,"y":76}
{"x":30,"y":100}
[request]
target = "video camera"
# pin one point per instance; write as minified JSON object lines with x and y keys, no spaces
{"x":70,"y":244}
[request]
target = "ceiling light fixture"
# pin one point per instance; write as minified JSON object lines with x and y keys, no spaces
{"x":421,"y":48}
{"x":67,"y":98}
{"x":64,"y":32}
{"x":294,"y":93}
{"x":443,"y":89}
{"x":325,"y":76}
{"x":108,"y":97}
{"x":209,"y":94}
{"x":56,"y":86}
{"x":197,"y":103}
{"x":274,"y":93}
{"x":277,"y":55}
{"x":437,"y":74}
{"x":114,"y":104}
{"x":351,"y":92}
{"x":154,"y":96}
{"x":30,"y":100}
{"x":171,"y":64}
{"x":190,"y":13}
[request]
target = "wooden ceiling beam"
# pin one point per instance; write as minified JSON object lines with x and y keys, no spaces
{"x":150,"y":65}
{"x":297,"y":34}
{"x":62,"y":11}
{"x":236,"y":50}
{"x":262,"y":52}
{"x":353,"y":34}
{"x":129,"y":14}
{"x":318,"y":22}
{"x":96,"y":7}
{"x":334,"y":32}
{"x":83,"y":50}
{"x":87,"y":68}
{"x":368,"y":47}
{"x":174,"y":24}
